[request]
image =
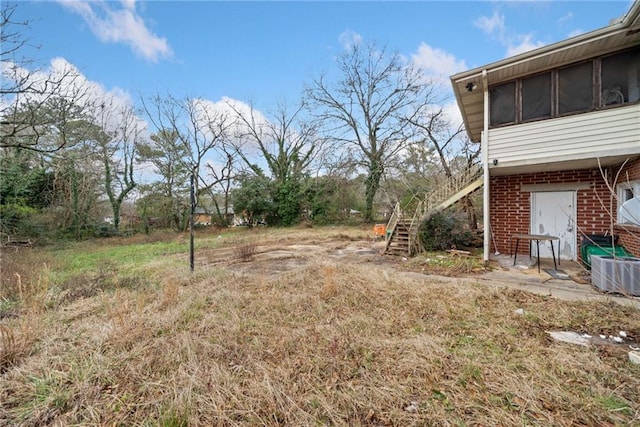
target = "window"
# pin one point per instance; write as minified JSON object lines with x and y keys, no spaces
{"x":536,"y":97}
{"x":575,"y":88}
{"x":601,"y":82}
{"x":502,"y":102}
{"x":620,"y":78}
{"x":629,"y":203}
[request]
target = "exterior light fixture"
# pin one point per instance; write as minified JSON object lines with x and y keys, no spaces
{"x":471,"y":86}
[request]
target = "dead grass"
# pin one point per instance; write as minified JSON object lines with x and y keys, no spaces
{"x":245,"y":250}
{"x":333,"y":342}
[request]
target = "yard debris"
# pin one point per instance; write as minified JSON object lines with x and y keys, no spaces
{"x":412,"y":407}
{"x":519,"y":311}
{"x":634,"y":357}
{"x":586,"y":339}
{"x":569,"y":337}
{"x":457,"y":252}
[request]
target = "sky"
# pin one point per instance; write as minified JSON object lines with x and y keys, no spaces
{"x":266,"y":51}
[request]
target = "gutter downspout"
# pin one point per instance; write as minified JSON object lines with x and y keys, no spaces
{"x":485,"y":166}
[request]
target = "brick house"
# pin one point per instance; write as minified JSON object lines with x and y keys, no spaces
{"x":559,"y":128}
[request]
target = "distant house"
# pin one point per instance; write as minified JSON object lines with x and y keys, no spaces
{"x":201,"y":217}
{"x":559,"y":128}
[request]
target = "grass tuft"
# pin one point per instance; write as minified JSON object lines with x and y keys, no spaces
{"x":329,"y":288}
{"x":245,"y":250}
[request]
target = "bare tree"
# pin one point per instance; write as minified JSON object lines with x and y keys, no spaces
{"x":367,"y":108}
{"x":197,"y":128}
{"x":456,"y":153}
{"x":117,"y":139}
{"x":76,"y":182}
{"x":25,"y":95}
{"x":219,"y":180}
{"x":287,"y":145}
{"x":170,"y":160}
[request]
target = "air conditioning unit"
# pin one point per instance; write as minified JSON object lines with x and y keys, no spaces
{"x":630,"y":211}
{"x":616,"y":274}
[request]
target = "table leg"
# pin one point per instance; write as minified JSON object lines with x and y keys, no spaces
{"x":554,"y":255}
{"x":515,"y":255}
{"x":537,"y":252}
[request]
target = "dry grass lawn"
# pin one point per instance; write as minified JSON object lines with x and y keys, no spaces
{"x":294,"y":327}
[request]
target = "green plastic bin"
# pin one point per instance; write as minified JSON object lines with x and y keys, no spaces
{"x":607,"y":251}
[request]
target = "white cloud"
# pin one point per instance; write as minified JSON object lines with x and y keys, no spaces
{"x":514,"y":43}
{"x":565,"y":19}
{"x":452,"y":113}
{"x":129,"y":4}
{"x":575,"y":32}
{"x":524,"y":43}
{"x":491,"y":25}
{"x":437,"y":62}
{"x":230,"y":109}
{"x":72,"y":84}
{"x":349,"y":38}
{"x":120,"y":25}
{"x":105,"y":106}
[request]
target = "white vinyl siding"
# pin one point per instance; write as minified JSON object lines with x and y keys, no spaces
{"x":603,"y":133}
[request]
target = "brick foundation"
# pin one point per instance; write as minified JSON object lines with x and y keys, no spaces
{"x":596,"y":205}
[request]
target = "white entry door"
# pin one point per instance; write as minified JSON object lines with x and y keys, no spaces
{"x":553,"y":213}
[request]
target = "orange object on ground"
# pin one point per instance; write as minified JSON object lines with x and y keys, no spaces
{"x":380,"y":230}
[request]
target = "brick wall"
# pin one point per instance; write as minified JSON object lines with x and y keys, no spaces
{"x":629,"y":238}
{"x":510,"y":205}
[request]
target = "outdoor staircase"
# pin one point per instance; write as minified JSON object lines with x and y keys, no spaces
{"x":402,"y":229}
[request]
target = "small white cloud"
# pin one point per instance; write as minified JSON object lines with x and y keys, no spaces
{"x":491,"y":25}
{"x":437,"y":62}
{"x":565,"y":19}
{"x":525,"y":43}
{"x":124,"y":25}
{"x":349,"y":38}
{"x":575,"y":32}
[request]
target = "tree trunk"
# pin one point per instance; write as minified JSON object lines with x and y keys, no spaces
{"x":115,"y":208}
{"x":372,"y":184}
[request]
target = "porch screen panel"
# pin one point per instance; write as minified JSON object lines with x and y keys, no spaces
{"x":575,"y":88}
{"x":621,"y":78}
{"x":502,"y":104}
{"x":536,"y":97}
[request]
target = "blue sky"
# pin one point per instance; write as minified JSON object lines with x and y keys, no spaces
{"x":266,"y":51}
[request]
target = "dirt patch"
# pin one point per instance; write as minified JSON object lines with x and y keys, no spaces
{"x":273,"y":257}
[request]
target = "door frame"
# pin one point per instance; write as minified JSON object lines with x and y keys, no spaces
{"x":574,"y":212}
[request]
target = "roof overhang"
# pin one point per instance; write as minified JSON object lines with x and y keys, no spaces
{"x":468,"y":86}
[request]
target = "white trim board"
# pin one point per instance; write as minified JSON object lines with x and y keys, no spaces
{"x":565,"y":186}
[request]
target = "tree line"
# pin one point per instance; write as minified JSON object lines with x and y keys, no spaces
{"x":371,"y":133}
